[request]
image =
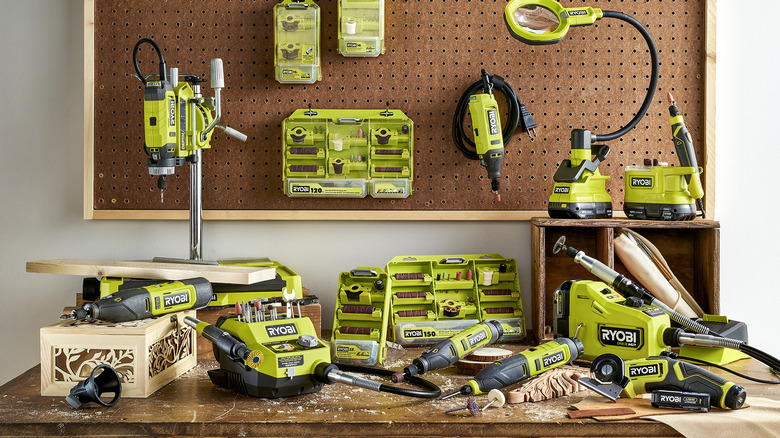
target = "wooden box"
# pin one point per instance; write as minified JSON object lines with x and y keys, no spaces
{"x":147,"y":354}
{"x":692,"y":250}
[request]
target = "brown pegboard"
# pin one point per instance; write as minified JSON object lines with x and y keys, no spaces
{"x":595,"y":78}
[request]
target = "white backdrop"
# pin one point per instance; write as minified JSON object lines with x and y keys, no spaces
{"x":41,"y":186}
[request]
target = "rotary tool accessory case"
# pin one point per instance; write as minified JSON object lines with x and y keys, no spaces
{"x":642,"y":260}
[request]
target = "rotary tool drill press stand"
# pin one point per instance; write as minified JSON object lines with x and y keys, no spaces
{"x":178,"y":124}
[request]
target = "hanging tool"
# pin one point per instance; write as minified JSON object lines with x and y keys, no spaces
{"x":522,"y":366}
{"x":274,"y":358}
{"x":178,"y":120}
{"x":489,"y":138}
{"x":451,"y":350}
{"x":611,"y":377}
{"x":147,"y":301}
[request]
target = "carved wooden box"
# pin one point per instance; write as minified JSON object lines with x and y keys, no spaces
{"x":147,"y":354}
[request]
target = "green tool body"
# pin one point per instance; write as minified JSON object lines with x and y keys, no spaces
{"x":451,"y":350}
{"x":147,"y":301}
{"x":607,"y":322}
{"x":488,"y":138}
{"x":683,"y":145}
{"x":611,"y":376}
{"x":523,"y":365}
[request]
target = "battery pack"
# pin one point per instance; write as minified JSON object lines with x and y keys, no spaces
{"x":689,"y":401}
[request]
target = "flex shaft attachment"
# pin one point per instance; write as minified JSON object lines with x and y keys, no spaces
{"x":625,"y":286}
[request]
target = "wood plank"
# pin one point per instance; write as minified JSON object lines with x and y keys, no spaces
{"x":337,"y":215}
{"x":152,"y":270}
{"x":584,"y":413}
{"x":89,"y":107}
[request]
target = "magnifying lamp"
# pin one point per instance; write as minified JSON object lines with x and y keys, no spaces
{"x":580,"y":190}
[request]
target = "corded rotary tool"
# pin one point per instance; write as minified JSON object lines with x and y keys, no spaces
{"x":147,"y":301}
{"x":451,"y":350}
{"x":522,"y":366}
{"x":611,"y":377}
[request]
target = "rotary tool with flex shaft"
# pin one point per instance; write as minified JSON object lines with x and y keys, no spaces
{"x":147,"y":301}
{"x":522,"y":366}
{"x":265,"y":356}
{"x":451,"y":350}
{"x":611,"y":377}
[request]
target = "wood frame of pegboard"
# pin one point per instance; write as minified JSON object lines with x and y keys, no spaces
{"x":90,"y":212}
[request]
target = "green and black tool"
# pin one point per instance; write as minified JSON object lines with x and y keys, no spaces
{"x":611,"y":377}
{"x":147,"y":301}
{"x":522,"y":366}
{"x":451,"y":350}
{"x":489,"y":138}
{"x":658,"y":191}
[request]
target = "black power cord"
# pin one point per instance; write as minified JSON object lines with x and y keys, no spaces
{"x":163,"y":74}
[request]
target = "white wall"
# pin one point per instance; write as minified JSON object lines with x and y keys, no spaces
{"x":41,"y":188}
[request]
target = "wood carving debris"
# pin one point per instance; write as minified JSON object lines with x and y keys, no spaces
{"x":552,"y":384}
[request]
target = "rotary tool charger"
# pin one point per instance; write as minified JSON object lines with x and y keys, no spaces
{"x":611,"y":377}
{"x":282,"y":358}
{"x":522,"y":366}
{"x":489,"y":139}
{"x":147,"y":301}
{"x":451,"y":350}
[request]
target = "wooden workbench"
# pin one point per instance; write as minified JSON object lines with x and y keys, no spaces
{"x":192,"y":406}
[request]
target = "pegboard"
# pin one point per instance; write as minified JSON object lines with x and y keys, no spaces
{"x":595,"y":78}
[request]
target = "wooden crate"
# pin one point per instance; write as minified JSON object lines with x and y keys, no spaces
{"x":692,"y":250}
{"x":147,"y":354}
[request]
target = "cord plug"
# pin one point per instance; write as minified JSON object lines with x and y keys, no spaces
{"x":527,"y":121}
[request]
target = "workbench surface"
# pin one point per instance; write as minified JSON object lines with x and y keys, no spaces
{"x":192,"y":406}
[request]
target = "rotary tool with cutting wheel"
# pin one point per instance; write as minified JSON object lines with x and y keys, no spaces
{"x":611,"y":377}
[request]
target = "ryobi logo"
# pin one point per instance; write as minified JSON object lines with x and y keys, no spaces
{"x":492,"y":122}
{"x":476,"y":339}
{"x":343,"y":349}
{"x":644,"y":370}
{"x":352,"y":45}
{"x":413,"y":333}
{"x":300,"y":189}
{"x":580,"y":12}
{"x":281,"y":330}
{"x":154,"y":84}
{"x":176,"y":299}
{"x":620,"y":337}
{"x":562,"y":190}
{"x":171,"y":112}
{"x":642,"y":182}
{"x":553,"y":359}
{"x":671,"y":399}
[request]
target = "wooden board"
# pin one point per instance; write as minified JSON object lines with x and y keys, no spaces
{"x":594,"y":79}
{"x":152,"y":270}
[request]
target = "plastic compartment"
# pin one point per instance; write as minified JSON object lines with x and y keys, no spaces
{"x":361,"y":27}
{"x":438,"y":293}
{"x":348,"y":153}
{"x":297,"y":42}
{"x":360,"y":325}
